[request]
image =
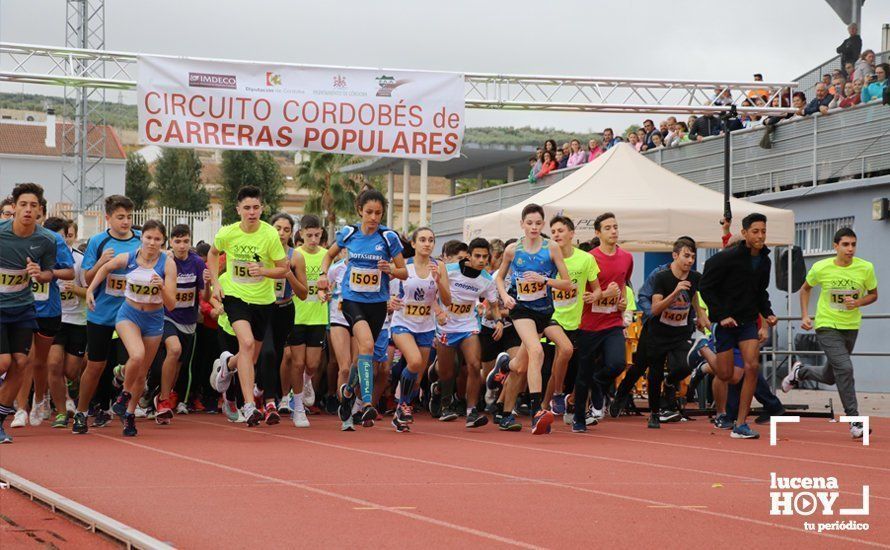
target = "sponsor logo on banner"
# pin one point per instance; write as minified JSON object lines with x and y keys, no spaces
{"x":208,"y":80}
{"x":388,"y":84}
{"x":273,"y":79}
{"x":339,"y":81}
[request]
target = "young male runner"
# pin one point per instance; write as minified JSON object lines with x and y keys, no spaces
{"x":734,"y":285}
{"x":181,"y":322}
{"x":254,"y":257}
{"x":119,"y":238}
{"x":27,"y":251}
{"x":848,"y":284}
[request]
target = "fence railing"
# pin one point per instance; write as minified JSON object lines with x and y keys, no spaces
{"x":806,"y":82}
{"x":844,"y":143}
{"x":203,"y":225}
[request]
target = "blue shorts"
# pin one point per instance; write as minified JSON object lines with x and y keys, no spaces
{"x":729,"y":338}
{"x":422,"y":339}
{"x":151,"y":323}
{"x":381,"y":345}
{"x":453,"y":339}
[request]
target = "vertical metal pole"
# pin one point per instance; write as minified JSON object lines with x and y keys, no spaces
{"x":424,"y":185}
{"x":406,"y":179}
{"x":390,"y":191}
{"x":789,"y":335}
{"x":815,"y":148}
{"x":727,"y":162}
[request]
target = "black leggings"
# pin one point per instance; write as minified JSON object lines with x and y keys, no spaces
{"x":654,"y":357}
{"x":373,"y":313}
{"x":272,"y":352}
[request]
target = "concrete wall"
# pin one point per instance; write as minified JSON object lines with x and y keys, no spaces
{"x":851,"y":198}
{"x":47,"y":171}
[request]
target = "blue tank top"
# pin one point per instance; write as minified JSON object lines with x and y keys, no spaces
{"x":363,"y":280}
{"x":533,"y":296}
{"x":47,"y":297}
{"x":283,"y":291}
{"x":110,"y":294}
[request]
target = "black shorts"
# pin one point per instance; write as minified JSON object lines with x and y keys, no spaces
{"x":256,"y":314}
{"x":542,"y":319}
{"x":186,"y":340}
{"x":73,"y":338}
{"x":372,"y":313}
{"x":311,"y":336}
{"x":98,"y":341}
{"x":48,"y":327}
{"x":491,"y":348}
{"x":16,"y":338}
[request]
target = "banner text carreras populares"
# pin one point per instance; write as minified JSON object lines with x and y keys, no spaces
{"x":231,"y":105}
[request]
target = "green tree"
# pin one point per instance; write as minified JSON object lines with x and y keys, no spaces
{"x":178,"y":181}
{"x":138,"y":180}
{"x":240,"y":168}
{"x":332,"y":193}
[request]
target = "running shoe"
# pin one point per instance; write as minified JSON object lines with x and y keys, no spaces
{"x":331,"y":404}
{"x":498,"y":415}
{"x":617,"y":406}
{"x":252,"y":415}
{"x":258,"y":397}
{"x":449,"y":412}
{"x":220,"y":375}
{"x":230,"y":408}
{"x":284,"y":406}
{"x":369,"y":416}
{"x":347,"y":425}
{"x":119,"y":407}
{"x":39,"y":410}
{"x":80,"y":423}
{"x":401,"y":427}
{"x":435,"y":400}
{"x":70,"y":407}
{"x":117,"y":378}
{"x":494,"y":382}
{"x":344,"y":411}
{"x":523,"y":409}
{"x":4,"y":437}
{"x":723,"y":422}
{"x":654,"y":422}
{"x":857,"y":430}
{"x":558,"y":404}
{"x":669,"y":415}
{"x":541,"y":422}
{"x":299,"y":419}
{"x":790,"y":381}
{"x":509,"y":424}
{"x":164,"y":410}
{"x":698,"y":374}
{"x":406,"y":413}
{"x":102,"y":419}
{"x":743,"y":431}
{"x":308,"y":391}
{"x":182,"y":408}
{"x":476,"y":420}
{"x":589,"y":419}
{"x":699,"y":341}
{"x":19,"y":419}
{"x":579,"y":427}
{"x":272,"y":417}
{"x":61,"y":421}
{"x":142,"y":412}
{"x":764,"y":417}
{"x":598,"y":414}
{"x":129,"y":425}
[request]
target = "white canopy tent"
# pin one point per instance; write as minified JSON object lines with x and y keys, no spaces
{"x":653,"y":206}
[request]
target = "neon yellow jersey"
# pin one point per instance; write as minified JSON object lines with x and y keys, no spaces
{"x":243,"y":249}
{"x":838,"y":283}
{"x":569,"y":305}
{"x":630,"y":298}
{"x":311,"y":311}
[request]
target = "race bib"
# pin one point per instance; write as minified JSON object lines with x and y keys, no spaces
{"x":675,"y":317}
{"x":14,"y":280}
{"x":364,"y":280}
{"x":528,"y":291}
{"x":837,"y":296}
{"x":116,"y":285}
{"x":185,"y":298}
{"x":69,"y":298}
{"x":605,"y":305}
{"x":279,"y":289}
{"x":312,"y":294}
{"x":565,"y":298}
{"x":460,"y":310}
{"x":417,"y":310}
{"x":141,"y":291}
{"x":241,"y":273}
{"x":40,"y":291}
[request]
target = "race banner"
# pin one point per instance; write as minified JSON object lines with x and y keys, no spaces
{"x":234,"y":105}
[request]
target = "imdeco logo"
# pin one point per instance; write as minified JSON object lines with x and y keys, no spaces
{"x":209,"y":80}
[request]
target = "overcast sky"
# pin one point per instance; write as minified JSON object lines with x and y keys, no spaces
{"x":670,"y":39}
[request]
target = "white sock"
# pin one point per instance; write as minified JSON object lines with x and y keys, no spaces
{"x":298,"y":403}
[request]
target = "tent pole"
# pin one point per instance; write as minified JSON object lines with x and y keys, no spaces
{"x":727,"y":162}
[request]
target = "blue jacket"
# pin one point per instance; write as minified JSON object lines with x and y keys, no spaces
{"x":644,"y":295}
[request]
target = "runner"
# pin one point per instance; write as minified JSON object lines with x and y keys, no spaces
{"x":307,"y":338}
{"x":180,"y":322}
{"x":568,"y":307}
{"x":734,"y":285}
{"x":414,"y":323}
{"x":7,"y":209}
{"x":601,"y":346}
{"x":342,"y":342}
{"x":365,"y":289}
{"x":150,"y":285}
{"x":848,"y":284}
{"x":27,"y":251}
{"x":119,"y":238}
{"x":66,"y":356}
{"x":534,"y":262}
{"x":254,"y":257}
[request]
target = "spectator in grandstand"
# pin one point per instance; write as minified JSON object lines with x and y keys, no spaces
{"x":657,"y":141}
{"x":609,"y":139}
{"x":851,"y":46}
{"x":678,"y":135}
{"x":577,"y":156}
{"x":533,"y":168}
{"x":799,"y":102}
{"x":759,"y":92}
{"x":539,"y":162}
{"x":705,"y":126}
{"x":875,"y":90}
{"x":691,"y":120}
{"x":634,"y":140}
{"x":548,"y":165}
{"x":641,"y":136}
{"x":850,"y":96}
{"x":723,"y":96}
{"x":865,"y":65}
{"x":566,"y":150}
{"x":664,"y":127}
{"x":849,"y":70}
{"x":838,"y":83}
{"x":550,"y":145}
{"x":649,"y":130}
{"x":826,"y":79}
{"x":561,"y":160}
{"x":594,"y":149}
{"x":820,"y":103}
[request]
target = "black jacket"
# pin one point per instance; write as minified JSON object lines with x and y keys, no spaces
{"x":705,"y":126}
{"x":850,"y":50}
{"x":732,"y":288}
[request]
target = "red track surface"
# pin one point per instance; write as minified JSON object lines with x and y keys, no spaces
{"x":205,"y":483}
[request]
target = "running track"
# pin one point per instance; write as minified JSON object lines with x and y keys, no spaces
{"x":206,"y":483}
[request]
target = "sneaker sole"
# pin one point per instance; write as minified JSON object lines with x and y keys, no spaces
{"x":542,"y":427}
{"x":481,"y":421}
{"x":271,"y":420}
{"x":735,"y":435}
{"x":254,"y":419}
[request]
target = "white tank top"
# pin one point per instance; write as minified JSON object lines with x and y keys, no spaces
{"x":418,"y":296}
{"x":140,"y":289}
